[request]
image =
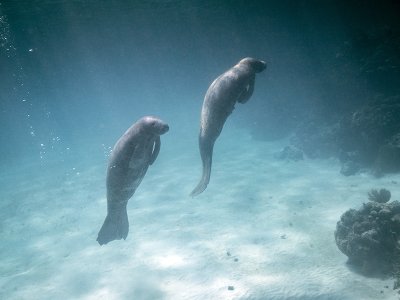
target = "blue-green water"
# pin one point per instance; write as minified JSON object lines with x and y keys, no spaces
{"x":74,"y":75}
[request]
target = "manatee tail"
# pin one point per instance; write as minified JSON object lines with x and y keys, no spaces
{"x":115,"y":227}
{"x":206,"y":156}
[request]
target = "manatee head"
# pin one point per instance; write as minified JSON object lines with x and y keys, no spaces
{"x":256,"y":64}
{"x":154,"y":125}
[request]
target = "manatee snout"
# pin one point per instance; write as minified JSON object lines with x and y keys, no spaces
{"x":255,"y":64}
{"x":260,"y":66}
{"x":163,"y":128}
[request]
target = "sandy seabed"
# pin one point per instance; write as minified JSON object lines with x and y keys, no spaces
{"x":263,"y":229}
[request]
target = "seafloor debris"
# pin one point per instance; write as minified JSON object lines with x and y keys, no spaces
{"x":370,"y":236}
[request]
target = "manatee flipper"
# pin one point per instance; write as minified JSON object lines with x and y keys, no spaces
{"x":115,"y":227}
{"x":248,"y":91}
{"x":156,"y":150}
{"x":206,"y":156}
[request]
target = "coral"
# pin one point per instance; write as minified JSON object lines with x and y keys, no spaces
{"x":381,"y":196}
{"x":370,"y":236}
{"x":370,"y":136}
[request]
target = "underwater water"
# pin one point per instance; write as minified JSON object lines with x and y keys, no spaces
{"x":76,"y":74}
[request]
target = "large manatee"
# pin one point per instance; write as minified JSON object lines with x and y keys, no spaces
{"x":235,"y":85}
{"x":133,"y":153}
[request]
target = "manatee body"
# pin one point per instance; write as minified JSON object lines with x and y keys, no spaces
{"x":235,"y":85}
{"x":133,"y":153}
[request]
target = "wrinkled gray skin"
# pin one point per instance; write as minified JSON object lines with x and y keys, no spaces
{"x":235,"y":85}
{"x":133,"y":153}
